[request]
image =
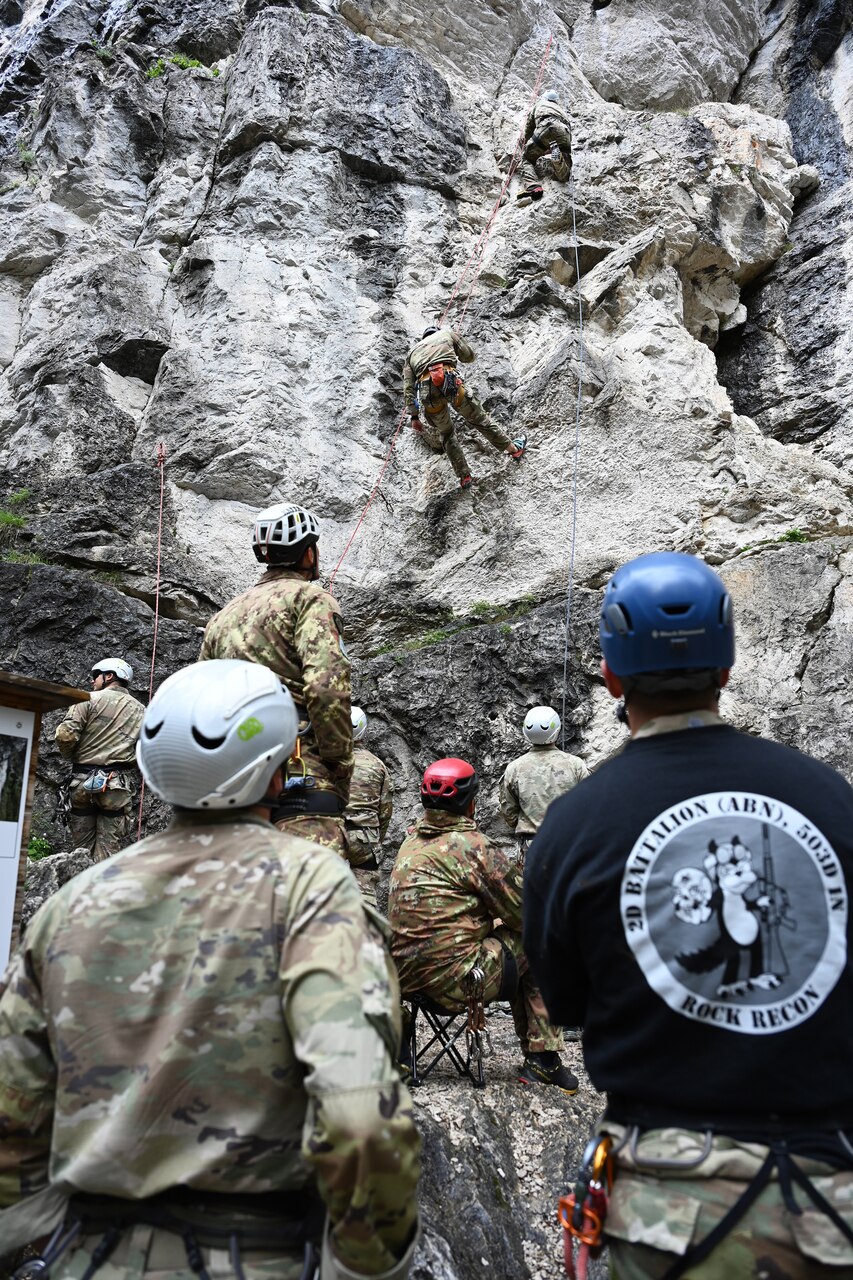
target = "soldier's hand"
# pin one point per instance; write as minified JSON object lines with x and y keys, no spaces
{"x":417,"y":425}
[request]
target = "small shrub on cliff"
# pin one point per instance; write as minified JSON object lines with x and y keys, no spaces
{"x":156,"y":69}
{"x":102,"y":51}
{"x":794,"y":535}
{"x":27,"y":158}
{"x":181,"y":60}
{"x":39,"y":847}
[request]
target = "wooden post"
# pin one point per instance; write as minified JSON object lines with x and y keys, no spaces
{"x":30,"y":698}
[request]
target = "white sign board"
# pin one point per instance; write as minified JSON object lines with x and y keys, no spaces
{"x":16,"y":745}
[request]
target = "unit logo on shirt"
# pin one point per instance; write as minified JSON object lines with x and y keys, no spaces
{"x":735,"y":907}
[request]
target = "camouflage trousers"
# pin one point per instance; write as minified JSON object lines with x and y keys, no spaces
{"x":153,"y":1254}
{"x":539,"y":146}
{"x":363,"y":856}
{"x":656,"y":1215}
{"x":101,"y":823}
{"x":439,"y":430}
{"x":321,"y":828}
{"x":534,"y":1031}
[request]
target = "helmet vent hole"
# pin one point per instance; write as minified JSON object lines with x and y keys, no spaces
{"x":152,"y":730}
{"x":675,"y":610}
{"x":209,"y":744}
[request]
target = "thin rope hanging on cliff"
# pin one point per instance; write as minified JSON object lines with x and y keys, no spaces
{"x":575,"y":455}
{"x":476,"y":254}
{"x":161,"y":465}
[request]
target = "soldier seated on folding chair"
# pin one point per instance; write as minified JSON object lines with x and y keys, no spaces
{"x":448,"y":888}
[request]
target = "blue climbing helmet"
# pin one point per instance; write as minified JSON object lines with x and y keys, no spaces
{"x":666,"y":615}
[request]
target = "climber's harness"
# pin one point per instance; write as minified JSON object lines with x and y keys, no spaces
{"x":96,"y":779}
{"x":583,"y":1212}
{"x":439,"y":382}
{"x":299,"y":795}
{"x":268,"y":1222}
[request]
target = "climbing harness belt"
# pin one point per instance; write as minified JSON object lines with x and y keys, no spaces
{"x":575,"y":454}
{"x":161,"y":466}
{"x":477,"y":255}
{"x":583,"y":1211}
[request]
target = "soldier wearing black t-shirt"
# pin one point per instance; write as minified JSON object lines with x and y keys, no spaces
{"x":689,"y":906}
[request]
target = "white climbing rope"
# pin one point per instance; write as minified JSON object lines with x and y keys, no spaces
{"x":575,"y":452}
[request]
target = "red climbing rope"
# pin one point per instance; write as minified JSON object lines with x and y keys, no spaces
{"x":479,"y":248}
{"x":161,"y":464}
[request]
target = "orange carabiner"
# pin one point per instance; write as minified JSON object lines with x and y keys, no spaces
{"x":589,"y":1232}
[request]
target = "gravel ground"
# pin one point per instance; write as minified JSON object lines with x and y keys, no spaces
{"x":532,"y":1139}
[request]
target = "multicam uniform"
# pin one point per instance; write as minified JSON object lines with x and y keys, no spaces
{"x":547,"y":125}
{"x":697,"y":890}
{"x":212,"y":1011}
{"x":294,"y":627}
{"x":446,"y":347}
{"x":371,"y":799}
{"x":448,"y":887}
{"x":97,"y":735}
{"x":532,"y":782}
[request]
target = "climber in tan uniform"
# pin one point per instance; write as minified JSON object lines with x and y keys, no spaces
{"x":99,"y":736}
{"x":548,"y":133}
{"x":534,"y":780}
{"x":431,"y":384}
{"x":371,"y":800}
{"x":287,"y":622}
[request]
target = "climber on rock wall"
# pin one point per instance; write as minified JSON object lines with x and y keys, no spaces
{"x":431,"y":384}
{"x":99,"y":736}
{"x":533,"y":780}
{"x":371,"y":801}
{"x":448,"y":887}
{"x":199,"y":1073}
{"x":288,"y":623}
{"x":695,"y":893}
{"x":548,"y":133}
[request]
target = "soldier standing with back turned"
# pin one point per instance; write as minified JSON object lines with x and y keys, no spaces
{"x":531,"y":782}
{"x":371,"y":802}
{"x":287,"y":622}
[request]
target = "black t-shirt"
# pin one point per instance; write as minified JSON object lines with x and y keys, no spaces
{"x":688,"y":906}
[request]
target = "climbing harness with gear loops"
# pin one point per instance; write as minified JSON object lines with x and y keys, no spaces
{"x":582,"y":1212}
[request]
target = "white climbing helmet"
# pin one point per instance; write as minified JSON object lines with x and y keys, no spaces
{"x":281,"y":534}
{"x":116,"y":666}
{"x":541,"y":726}
{"x":550,"y":96}
{"x":359,"y":724}
{"x":215,"y":733}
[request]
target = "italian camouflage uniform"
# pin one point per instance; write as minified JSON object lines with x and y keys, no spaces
{"x":371,"y":800}
{"x":97,"y":735}
{"x":291,"y":625}
{"x":448,"y":887}
{"x":547,"y":126}
{"x":446,"y":347}
{"x":531,"y":782}
{"x":211,"y":1010}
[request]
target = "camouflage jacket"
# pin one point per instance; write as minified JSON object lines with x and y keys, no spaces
{"x":371,"y":796}
{"x":544,"y":114}
{"x":446,"y":345}
{"x":448,"y":886}
{"x":102,"y":730}
{"x":532,"y":781}
{"x":294,"y":627}
{"x":211,"y":1008}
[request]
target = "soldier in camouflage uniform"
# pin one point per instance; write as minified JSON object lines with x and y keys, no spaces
{"x":431,"y":384}
{"x":290,"y":624}
{"x":531,"y":782}
{"x":689,"y":904}
{"x":199,"y":1039}
{"x":100,"y":737}
{"x":371,"y":802}
{"x":448,"y":887}
{"x":547,"y":133}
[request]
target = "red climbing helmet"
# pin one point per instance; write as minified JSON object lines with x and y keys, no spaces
{"x":449,"y":784}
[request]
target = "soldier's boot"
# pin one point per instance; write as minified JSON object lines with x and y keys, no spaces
{"x":546,"y":1068}
{"x":533,"y":191}
{"x":559,"y":164}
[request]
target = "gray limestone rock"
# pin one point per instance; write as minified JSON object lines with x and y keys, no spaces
{"x":46,"y":875}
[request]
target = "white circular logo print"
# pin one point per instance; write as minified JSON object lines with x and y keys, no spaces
{"x":735,"y":908}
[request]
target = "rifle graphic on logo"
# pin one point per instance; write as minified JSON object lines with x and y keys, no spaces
{"x":775,"y":911}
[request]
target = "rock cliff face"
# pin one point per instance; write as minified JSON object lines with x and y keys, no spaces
{"x":232,"y":257}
